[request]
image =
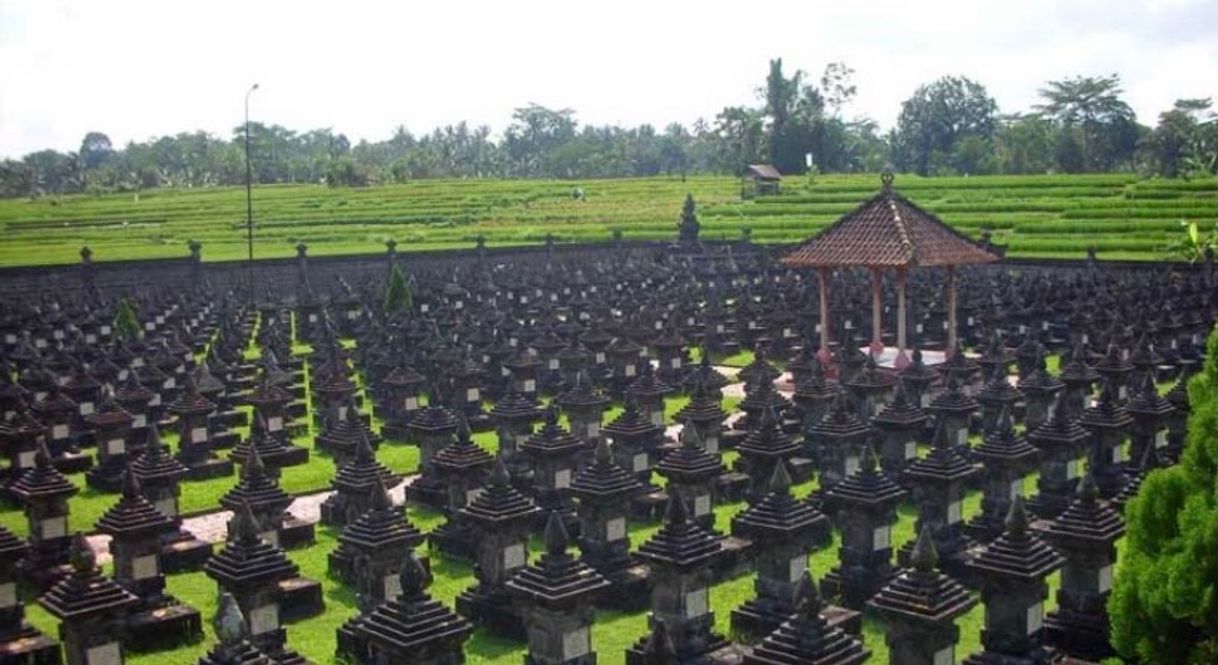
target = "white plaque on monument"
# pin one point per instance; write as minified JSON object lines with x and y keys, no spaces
{"x":144,"y":567}
{"x":392,"y":585}
{"x":953,"y":512}
{"x":53,"y":527}
{"x":1104,"y":583}
{"x":852,"y":465}
{"x":198,"y":434}
{"x":264,"y":619}
{"x":562,"y":479}
{"x":798,"y":565}
{"x":106,"y":654}
{"x":702,"y":505}
{"x":639,"y":462}
{"x":881,"y":538}
{"x":575,"y":643}
{"x":8,"y":595}
{"x":695,"y":603}
{"x":168,"y":506}
{"x":513,"y":556}
{"x":615,"y":529}
{"x":116,"y":446}
{"x":1036,"y":616}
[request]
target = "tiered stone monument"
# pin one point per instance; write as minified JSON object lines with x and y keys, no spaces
{"x":705,"y":415}
{"x":159,"y":475}
{"x":837,"y":442}
{"x":1151,"y":414}
{"x":552,"y":453}
{"x":1012,"y":570}
{"x":353,"y":486}
{"x":899,"y":423}
{"x":584,"y":407}
{"x":954,"y":408}
{"x":269,"y":504}
{"x":91,"y":609}
{"x":254,"y":571}
{"x":1040,"y":390}
{"x":920,"y":607}
{"x":233,"y":635}
{"x":503,"y":517}
{"x":431,"y":430}
{"x":462,"y":466}
{"x":808,"y":637}
{"x":786,"y":530}
{"x":1109,"y":423}
{"x":864,"y":507}
{"x":1063,"y":444}
{"x":604,"y":490}
{"x":765,"y":448}
{"x":938,"y":484}
{"x":680,"y":554}
{"x":555,"y":598}
{"x":373,"y":548}
{"x":110,"y":424}
{"x":44,"y":492}
{"x":1007,"y":458}
{"x":195,"y":449}
{"x":409,"y":628}
{"x":135,"y":527}
{"x":1086,"y":535}
{"x":691,"y":473}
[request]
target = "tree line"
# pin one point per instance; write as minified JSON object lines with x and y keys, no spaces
{"x":951,"y":126}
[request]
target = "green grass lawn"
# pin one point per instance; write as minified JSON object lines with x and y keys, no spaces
{"x":1058,"y":216}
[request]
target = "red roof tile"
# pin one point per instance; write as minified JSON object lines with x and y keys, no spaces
{"x":888,"y":230}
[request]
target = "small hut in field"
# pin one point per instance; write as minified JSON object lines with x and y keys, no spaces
{"x":760,"y":180}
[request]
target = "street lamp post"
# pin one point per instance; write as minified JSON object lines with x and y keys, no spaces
{"x":249,"y":194}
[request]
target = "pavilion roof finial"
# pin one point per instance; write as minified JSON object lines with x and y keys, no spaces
{"x":886,"y":178}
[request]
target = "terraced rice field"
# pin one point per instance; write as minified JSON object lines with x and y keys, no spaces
{"x":1120,"y":215}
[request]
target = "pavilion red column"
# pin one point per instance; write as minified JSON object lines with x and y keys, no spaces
{"x":951,"y":311}
{"x":824,"y":315}
{"x":877,"y":316}
{"x":902,"y":359}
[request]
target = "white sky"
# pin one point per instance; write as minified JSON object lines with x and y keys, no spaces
{"x":136,"y":69}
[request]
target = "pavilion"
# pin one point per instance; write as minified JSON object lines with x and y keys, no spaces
{"x":887,"y":232}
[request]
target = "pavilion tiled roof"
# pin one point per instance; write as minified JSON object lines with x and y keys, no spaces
{"x":888,"y":231}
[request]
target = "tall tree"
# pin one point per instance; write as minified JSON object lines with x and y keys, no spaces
{"x":95,"y":149}
{"x":1183,"y":142}
{"x":1094,"y":105}
{"x":781,"y":95}
{"x":936,"y":116}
